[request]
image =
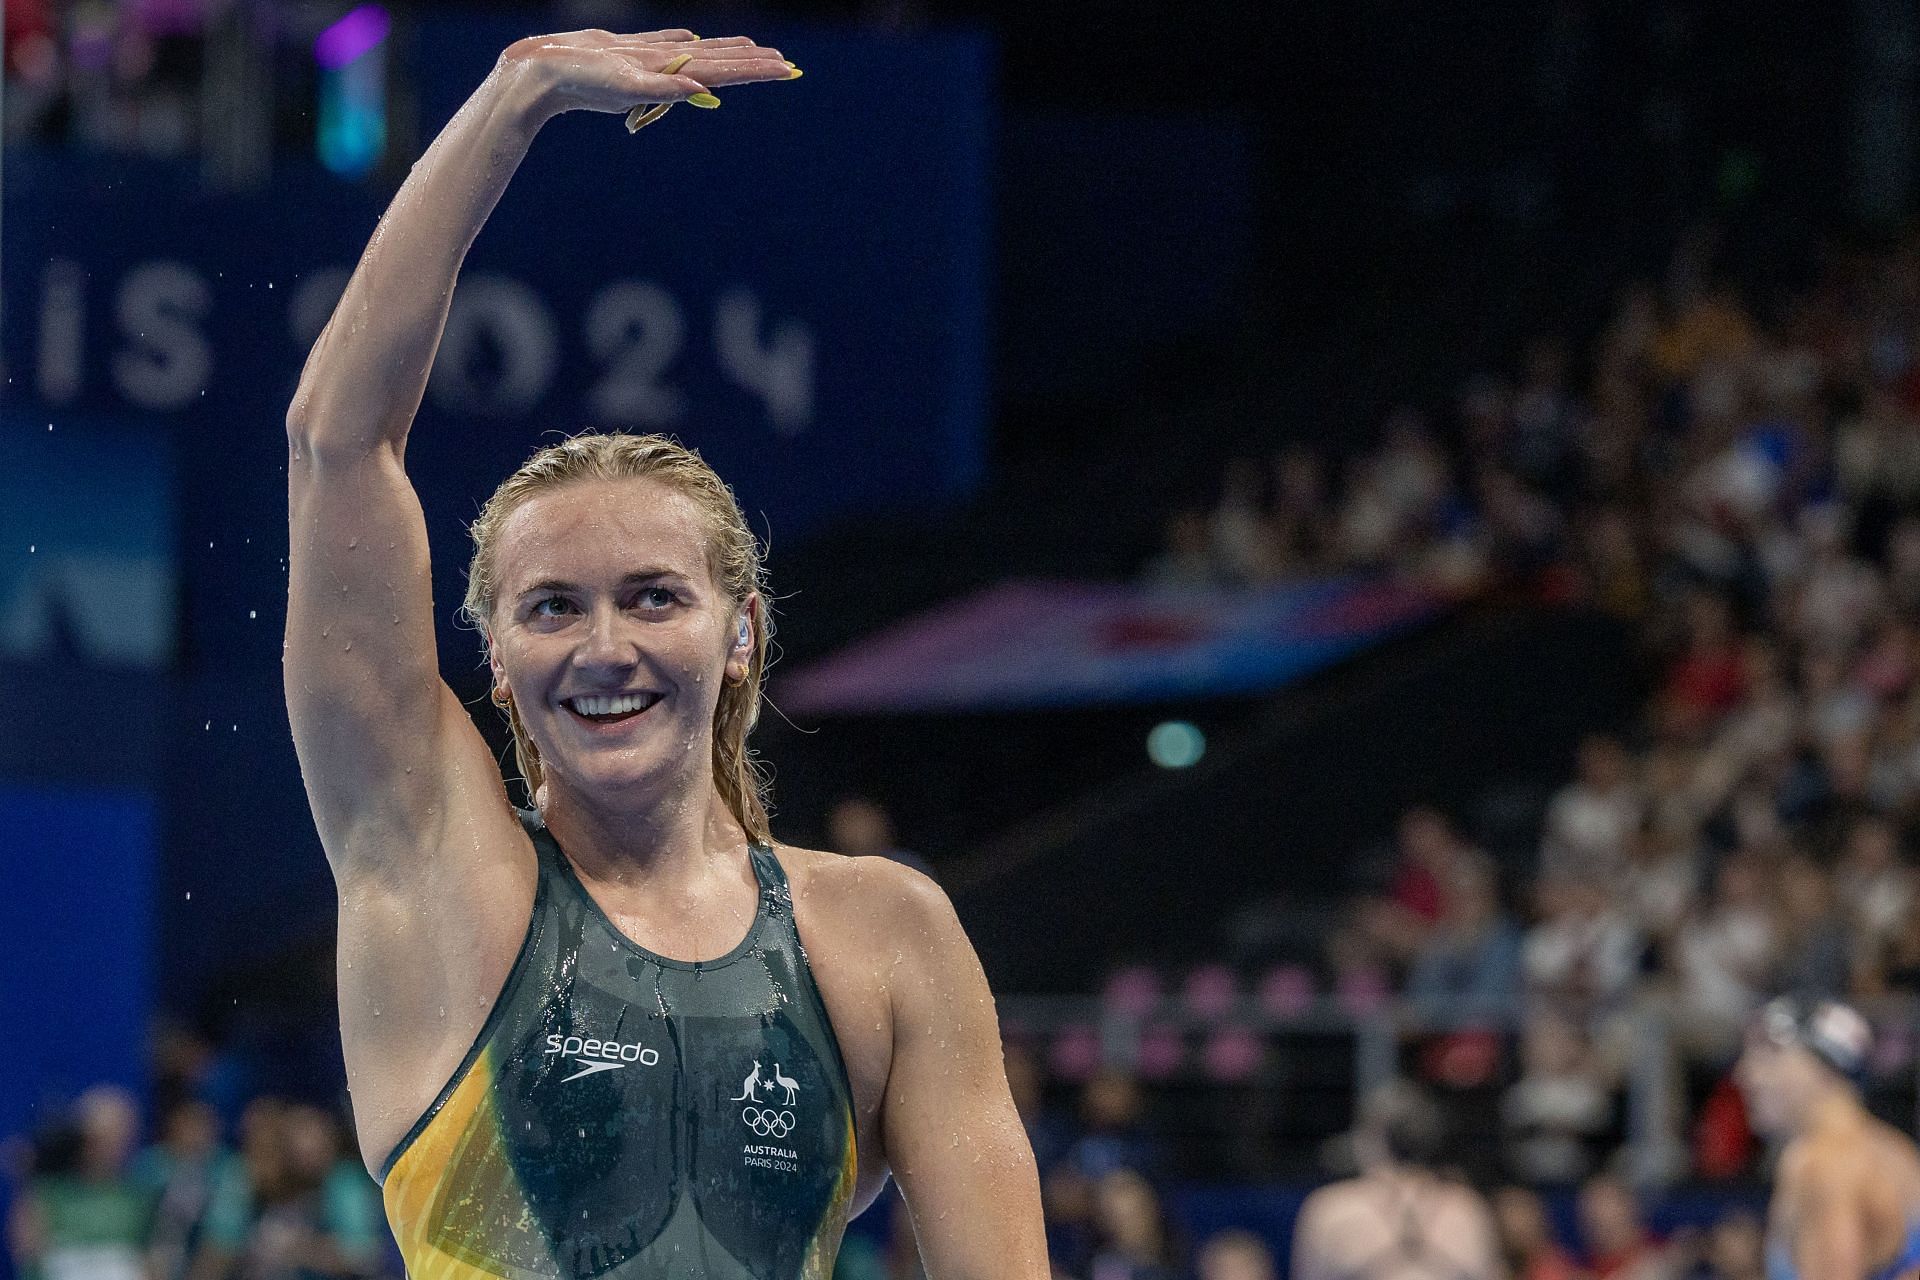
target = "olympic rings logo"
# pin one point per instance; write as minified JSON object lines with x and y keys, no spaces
{"x":768,"y":1123}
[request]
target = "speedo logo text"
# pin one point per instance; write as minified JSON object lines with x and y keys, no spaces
{"x":594,"y":1056}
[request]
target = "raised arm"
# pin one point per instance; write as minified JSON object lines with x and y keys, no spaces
{"x":381,"y":739}
{"x":953,"y":1138}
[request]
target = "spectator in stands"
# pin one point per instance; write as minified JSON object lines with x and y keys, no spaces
{"x":1430,"y":853}
{"x":1734,"y":1249}
{"x":1874,"y":883}
{"x":1469,"y":965}
{"x":80,"y":1214}
{"x":1369,"y":528}
{"x":178,"y":1171}
{"x":1526,"y":1237}
{"x":1613,"y":562}
{"x":1399,"y":1217}
{"x":1235,"y":1255}
{"x":1582,"y":955}
{"x":1591,"y":820}
{"x":1112,"y":1136}
{"x":1559,"y":1108}
{"x":1113,"y":1132}
{"x":1238,"y":529}
{"x":1815,"y":959}
{"x":1618,"y":1244}
{"x":1721,"y":959}
{"x":1765,"y":725}
{"x":1708,"y":678}
{"x":1519,"y":530}
{"x":1131,"y":1229}
{"x":1836,"y":594}
{"x":1301,"y":530}
{"x":1835,"y":708}
{"x":1892,"y":965}
{"x":1661,"y":876}
{"x":1385,"y":930}
{"x":1896,"y":756}
{"x":293,"y":1208}
{"x":860,"y":828}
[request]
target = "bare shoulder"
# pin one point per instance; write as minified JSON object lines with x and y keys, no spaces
{"x":1817,"y":1165}
{"x":873,"y":890}
{"x":1328,"y":1199}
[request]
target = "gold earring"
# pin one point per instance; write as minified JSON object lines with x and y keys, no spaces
{"x":501,"y":697}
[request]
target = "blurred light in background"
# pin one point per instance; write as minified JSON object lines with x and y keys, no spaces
{"x":352,"y":54}
{"x":1176,"y":744}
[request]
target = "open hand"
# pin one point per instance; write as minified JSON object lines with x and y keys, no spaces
{"x":601,"y":71}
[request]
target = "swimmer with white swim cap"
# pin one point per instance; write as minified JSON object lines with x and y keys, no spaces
{"x":1846,"y":1202}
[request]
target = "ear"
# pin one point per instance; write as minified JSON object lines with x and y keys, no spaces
{"x":746,"y":639}
{"x":496,"y":673}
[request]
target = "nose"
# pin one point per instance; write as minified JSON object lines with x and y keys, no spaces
{"x":606,"y":647}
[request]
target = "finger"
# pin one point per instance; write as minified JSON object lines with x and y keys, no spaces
{"x":735,"y":53}
{"x":595,"y":38}
{"x":687,"y":64}
{"x":732,"y":73}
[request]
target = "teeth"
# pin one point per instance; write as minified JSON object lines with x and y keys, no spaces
{"x":590,"y":706}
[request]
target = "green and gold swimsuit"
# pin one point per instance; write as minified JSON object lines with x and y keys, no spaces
{"x":626,"y":1115}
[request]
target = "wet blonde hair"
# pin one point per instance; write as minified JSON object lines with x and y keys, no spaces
{"x":733,"y":556}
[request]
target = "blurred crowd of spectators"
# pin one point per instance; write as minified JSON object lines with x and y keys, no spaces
{"x":1742,"y":483}
{"x":110,"y":75}
{"x":287,"y":1201}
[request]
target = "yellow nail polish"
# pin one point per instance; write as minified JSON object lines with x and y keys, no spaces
{"x":796,"y":73}
{"x":703,"y":100}
{"x":676,"y":64}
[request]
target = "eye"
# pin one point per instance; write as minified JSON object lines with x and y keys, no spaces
{"x":656,"y":597}
{"x":544,"y":601}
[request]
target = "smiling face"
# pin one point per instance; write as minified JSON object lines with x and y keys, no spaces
{"x":613,"y":639}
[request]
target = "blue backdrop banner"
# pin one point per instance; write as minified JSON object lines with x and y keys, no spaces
{"x":795,"y":283}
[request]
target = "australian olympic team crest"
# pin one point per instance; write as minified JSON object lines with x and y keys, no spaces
{"x":770,"y":1099}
